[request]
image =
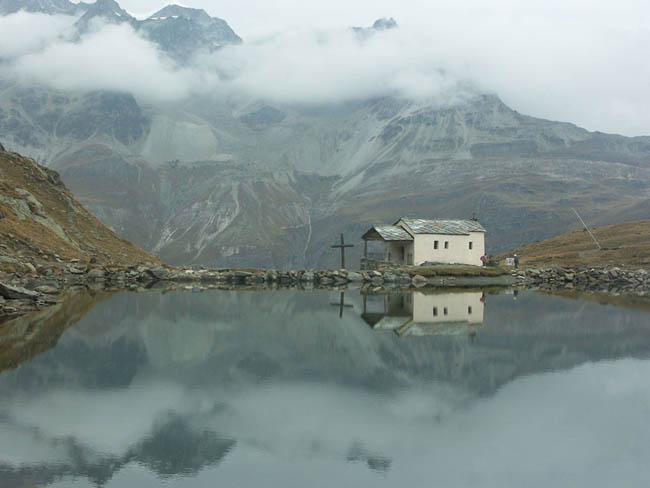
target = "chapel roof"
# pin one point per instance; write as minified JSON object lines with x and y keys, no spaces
{"x":392,"y":233}
{"x":449,"y":227}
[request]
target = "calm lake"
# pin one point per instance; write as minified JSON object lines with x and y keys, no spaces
{"x":295,"y":388}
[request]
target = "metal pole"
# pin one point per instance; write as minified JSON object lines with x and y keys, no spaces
{"x":587,"y":228}
{"x":342,"y":253}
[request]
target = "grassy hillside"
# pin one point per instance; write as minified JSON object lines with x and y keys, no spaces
{"x":41,"y":222}
{"x":625,"y":244}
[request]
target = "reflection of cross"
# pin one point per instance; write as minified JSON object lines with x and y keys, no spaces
{"x":342,"y":304}
{"x":342,"y":246}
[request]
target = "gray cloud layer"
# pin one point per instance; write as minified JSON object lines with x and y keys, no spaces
{"x":582,"y":62}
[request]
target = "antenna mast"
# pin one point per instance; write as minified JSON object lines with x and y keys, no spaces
{"x":587,"y":228}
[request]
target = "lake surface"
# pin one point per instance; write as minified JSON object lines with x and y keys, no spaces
{"x":318,"y":389}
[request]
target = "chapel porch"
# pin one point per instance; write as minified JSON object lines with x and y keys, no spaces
{"x":396,"y":247}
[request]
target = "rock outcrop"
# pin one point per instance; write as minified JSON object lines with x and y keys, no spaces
{"x":48,"y":240}
{"x":42,"y":223}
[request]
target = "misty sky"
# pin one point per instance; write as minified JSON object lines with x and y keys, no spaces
{"x":582,"y":61}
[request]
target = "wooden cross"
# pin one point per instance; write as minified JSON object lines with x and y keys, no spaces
{"x":342,"y":246}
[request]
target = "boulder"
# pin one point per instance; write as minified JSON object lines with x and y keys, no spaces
{"x":96,"y":274}
{"x":355,"y":277}
{"x":307,"y":276}
{"x":120,"y":276}
{"x":158,"y":273}
{"x":77,"y":270}
{"x":47,"y":290}
{"x":390,"y":278}
{"x":17,"y":293}
{"x":255,"y":278}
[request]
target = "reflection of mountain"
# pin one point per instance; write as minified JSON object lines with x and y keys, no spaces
{"x":25,"y":337}
{"x":358,"y":453}
{"x":241,"y":336}
{"x":173,"y":448}
{"x":175,"y":382}
{"x":415,"y":313}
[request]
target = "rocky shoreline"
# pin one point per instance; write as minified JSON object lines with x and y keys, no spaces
{"x":38,"y":288}
{"x":613,"y":280}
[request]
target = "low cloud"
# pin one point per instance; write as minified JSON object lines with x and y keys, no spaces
{"x":296,"y":66}
{"x":112,"y":58}
{"x":23,"y":33}
{"x":304,"y":66}
{"x":565,"y":67}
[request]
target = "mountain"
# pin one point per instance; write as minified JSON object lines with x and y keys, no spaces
{"x":41,"y":222}
{"x":179,"y":31}
{"x":106,"y":12}
{"x":182,"y":31}
{"x":379,"y":25}
{"x":211,"y":182}
{"x":50,"y":7}
{"x":242,"y":181}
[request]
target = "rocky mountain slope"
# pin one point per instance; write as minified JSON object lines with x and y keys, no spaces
{"x":243,"y":181}
{"x":179,"y":31}
{"x":182,"y":31}
{"x":106,"y":12}
{"x":41,"y":222}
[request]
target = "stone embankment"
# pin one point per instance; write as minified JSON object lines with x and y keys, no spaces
{"x":39,"y":287}
{"x":611,"y":280}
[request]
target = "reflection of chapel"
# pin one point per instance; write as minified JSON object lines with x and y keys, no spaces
{"x":417,"y":241}
{"x":417,"y":313}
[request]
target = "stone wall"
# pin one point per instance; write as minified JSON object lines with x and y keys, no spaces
{"x":611,"y":280}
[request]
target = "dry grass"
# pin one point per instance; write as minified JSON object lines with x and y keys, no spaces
{"x":453,"y":270}
{"x":33,"y":239}
{"x":625,"y":244}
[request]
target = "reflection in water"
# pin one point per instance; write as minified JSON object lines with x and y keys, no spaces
{"x":251,"y":388}
{"x":27,"y":336}
{"x":416,"y":313}
{"x":173,"y":448}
